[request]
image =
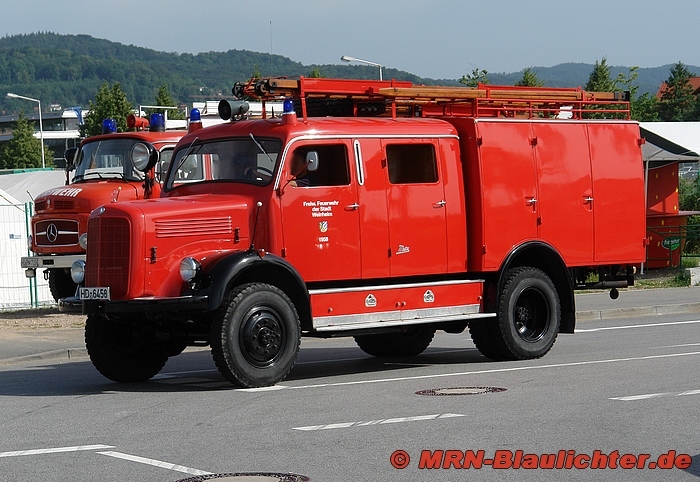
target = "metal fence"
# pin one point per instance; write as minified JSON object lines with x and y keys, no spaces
{"x":16,"y":290}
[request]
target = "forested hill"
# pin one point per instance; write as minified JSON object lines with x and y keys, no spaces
{"x":69,"y":69}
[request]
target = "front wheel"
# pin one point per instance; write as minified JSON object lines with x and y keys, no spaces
{"x":61,"y":284}
{"x":255,"y":336}
{"x":121,"y":351}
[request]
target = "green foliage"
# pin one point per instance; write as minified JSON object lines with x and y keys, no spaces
{"x":110,"y":102}
{"x":23,"y":150}
{"x":476,"y":77}
{"x":677,"y":102}
{"x":164,"y":98}
{"x":315,"y":73}
{"x":689,"y":194}
{"x":530,"y":79}
{"x":256,"y":72}
{"x":600,"y":79}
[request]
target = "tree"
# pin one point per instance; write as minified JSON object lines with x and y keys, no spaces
{"x":110,"y":102}
{"x":475,"y":78}
{"x":600,"y":80}
{"x":529,"y":79}
{"x":164,"y":98}
{"x":677,"y":102}
{"x":256,"y":72}
{"x":315,"y":73}
{"x":23,"y":150}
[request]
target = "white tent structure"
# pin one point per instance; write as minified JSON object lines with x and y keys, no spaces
{"x":670,"y":142}
{"x":16,"y":195}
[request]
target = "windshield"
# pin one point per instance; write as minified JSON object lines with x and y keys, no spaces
{"x":241,"y":160}
{"x":107,"y":159}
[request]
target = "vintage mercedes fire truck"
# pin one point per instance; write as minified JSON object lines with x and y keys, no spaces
{"x":108,"y":168}
{"x":373,"y":209}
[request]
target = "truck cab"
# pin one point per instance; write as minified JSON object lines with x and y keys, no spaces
{"x":106,"y":168}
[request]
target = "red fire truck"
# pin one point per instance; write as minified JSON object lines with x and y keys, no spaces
{"x":373,"y":209}
{"x":109,"y":167}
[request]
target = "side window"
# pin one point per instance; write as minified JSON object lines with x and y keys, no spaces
{"x":332,"y":166}
{"x":411,"y":163}
{"x":166,"y":156}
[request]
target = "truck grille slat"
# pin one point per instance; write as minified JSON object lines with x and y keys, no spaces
{"x":56,"y":232}
{"x":107,"y":262}
{"x":194,"y":227}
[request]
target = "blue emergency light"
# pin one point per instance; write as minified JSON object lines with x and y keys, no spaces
{"x":109,"y":126}
{"x":195,"y":115}
{"x":157,"y":122}
{"x":288,"y":106}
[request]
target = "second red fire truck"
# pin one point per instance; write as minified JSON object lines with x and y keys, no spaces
{"x":378,"y":210}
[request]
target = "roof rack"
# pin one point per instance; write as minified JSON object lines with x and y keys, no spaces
{"x":347,"y":97}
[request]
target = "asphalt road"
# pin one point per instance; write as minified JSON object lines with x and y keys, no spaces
{"x":625,"y":385}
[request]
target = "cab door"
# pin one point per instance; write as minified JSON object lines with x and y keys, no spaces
{"x":320,"y":222}
{"x":416,"y":208}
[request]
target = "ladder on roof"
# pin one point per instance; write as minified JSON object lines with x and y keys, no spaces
{"x":403,"y":99}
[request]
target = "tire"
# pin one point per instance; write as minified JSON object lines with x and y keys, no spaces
{"x":411,"y":342}
{"x":120,"y":352}
{"x":529,"y":316}
{"x":255,"y":337}
{"x":61,"y":284}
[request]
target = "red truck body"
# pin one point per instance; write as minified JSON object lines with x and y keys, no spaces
{"x":408,"y":224}
{"x":61,"y":213}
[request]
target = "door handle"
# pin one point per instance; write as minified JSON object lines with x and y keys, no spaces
{"x":587,"y":199}
{"x":352,"y":207}
{"x":440,"y":204}
{"x":531,"y":201}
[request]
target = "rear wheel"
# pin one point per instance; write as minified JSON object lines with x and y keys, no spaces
{"x":529,"y":316}
{"x":256,"y":335}
{"x":122,"y":352}
{"x":411,"y":342}
{"x":61,"y":284}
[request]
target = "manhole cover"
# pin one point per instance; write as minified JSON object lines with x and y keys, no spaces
{"x":249,"y":477}
{"x":436,"y":392}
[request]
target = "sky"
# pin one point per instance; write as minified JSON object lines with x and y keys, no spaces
{"x":430,"y":38}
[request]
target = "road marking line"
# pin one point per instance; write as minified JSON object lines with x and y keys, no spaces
{"x":418,"y":418}
{"x":633,"y":398}
{"x":155,"y":463}
{"x":678,"y":346}
{"x":627,"y":327}
{"x":55,"y":450}
{"x":461,"y":374}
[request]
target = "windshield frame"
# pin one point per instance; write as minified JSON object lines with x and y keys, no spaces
{"x":195,"y":147}
{"x":125,"y":172}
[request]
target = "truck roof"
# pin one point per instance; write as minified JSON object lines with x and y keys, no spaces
{"x":145,"y":135}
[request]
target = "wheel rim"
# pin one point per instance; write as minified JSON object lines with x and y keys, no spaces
{"x":262,"y":337}
{"x":531,"y":315}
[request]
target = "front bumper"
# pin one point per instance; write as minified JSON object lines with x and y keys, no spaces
{"x":180,"y":304}
{"x":32,"y":263}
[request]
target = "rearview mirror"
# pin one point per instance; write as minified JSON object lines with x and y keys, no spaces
{"x":69,"y":155}
{"x":312,"y":161}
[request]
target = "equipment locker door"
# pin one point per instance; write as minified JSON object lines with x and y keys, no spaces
{"x":320,"y":221}
{"x":416,"y":208}
{"x":565,"y":189}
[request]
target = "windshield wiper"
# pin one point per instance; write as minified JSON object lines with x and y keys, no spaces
{"x":261,"y":148}
{"x":186,"y":155}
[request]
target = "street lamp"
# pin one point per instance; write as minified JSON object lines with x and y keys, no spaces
{"x":346,"y":58}
{"x":41,"y":125}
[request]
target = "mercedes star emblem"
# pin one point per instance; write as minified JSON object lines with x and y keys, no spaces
{"x":52,"y":233}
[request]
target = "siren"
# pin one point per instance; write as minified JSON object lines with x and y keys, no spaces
{"x":109,"y":126}
{"x":157,"y":122}
{"x":289,"y":115}
{"x":229,"y":109}
{"x":195,"y":120}
{"x":137,"y":123}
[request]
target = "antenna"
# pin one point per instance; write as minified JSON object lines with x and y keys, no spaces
{"x":271,"y":73}
{"x":255,"y":226}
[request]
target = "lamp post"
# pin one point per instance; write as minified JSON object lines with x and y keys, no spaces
{"x":41,"y":125}
{"x":346,"y":58}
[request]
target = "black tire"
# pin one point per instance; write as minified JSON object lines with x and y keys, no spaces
{"x":529,"y":316}
{"x":255,"y":337}
{"x":61,"y":284}
{"x":121,"y":352}
{"x":411,"y":342}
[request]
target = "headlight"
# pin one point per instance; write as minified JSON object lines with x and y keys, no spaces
{"x":189,"y":268}
{"x":82,"y":240}
{"x":29,"y":242}
{"x":139,"y":156}
{"x":77,"y":271}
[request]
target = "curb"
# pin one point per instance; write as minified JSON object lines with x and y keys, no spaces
{"x":64,"y":354}
{"x":612,"y":313}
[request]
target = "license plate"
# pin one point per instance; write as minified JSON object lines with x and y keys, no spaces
{"x":94,"y":293}
{"x":30,"y":262}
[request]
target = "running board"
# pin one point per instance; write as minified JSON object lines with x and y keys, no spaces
{"x":362,"y":325}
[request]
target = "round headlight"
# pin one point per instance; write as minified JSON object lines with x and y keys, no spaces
{"x":29,"y":242}
{"x":82,"y":240}
{"x":139,"y":156}
{"x":77,"y":271}
{"x":189,"y":268}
